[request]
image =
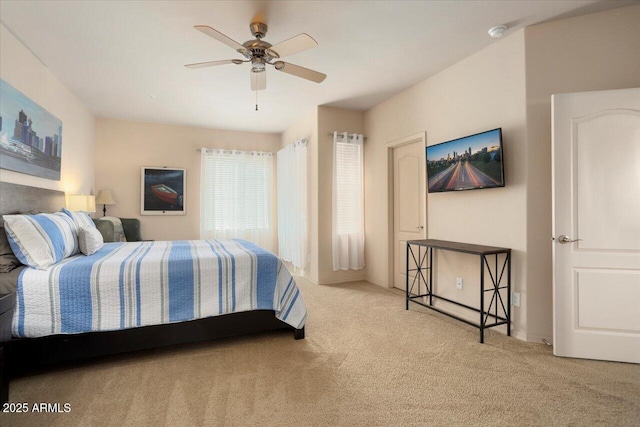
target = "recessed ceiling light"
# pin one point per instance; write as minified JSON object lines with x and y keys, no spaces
{"x":497,"y":32}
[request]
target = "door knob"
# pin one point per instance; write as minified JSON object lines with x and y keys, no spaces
{"x":420,"y":227}
{"x":566,"y":239}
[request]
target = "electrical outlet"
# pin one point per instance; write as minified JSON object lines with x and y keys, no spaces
{"x":515,"y":299}
{"x":459,"y":283}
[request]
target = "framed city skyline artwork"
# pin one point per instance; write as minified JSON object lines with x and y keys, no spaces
{"x":163,"y":191}
{"x":30,"y":136}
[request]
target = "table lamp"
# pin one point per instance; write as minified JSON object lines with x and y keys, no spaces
{"x":105,"y":198}
{"x":82,"y":203}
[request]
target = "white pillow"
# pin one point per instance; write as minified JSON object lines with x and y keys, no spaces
{"x":41,"y":240}
{"x":80,"y":219}
{"x":90,"y":240}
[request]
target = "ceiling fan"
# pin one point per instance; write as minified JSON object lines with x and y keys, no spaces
{"x":261,"y":53}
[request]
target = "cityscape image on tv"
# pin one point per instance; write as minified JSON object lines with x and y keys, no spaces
{"x":466,"y":163}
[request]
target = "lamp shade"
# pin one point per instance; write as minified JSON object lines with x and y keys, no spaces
{"x":82,"y":203}
{"x":104,"y":197}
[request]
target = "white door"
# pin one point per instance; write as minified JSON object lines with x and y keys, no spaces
{"x":409,"y":202}
{"x":596,"y":225}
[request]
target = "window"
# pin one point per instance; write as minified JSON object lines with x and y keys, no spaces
{"x":348,"y":202}
{"x":348,"y":187}
{"x":236,"y":190}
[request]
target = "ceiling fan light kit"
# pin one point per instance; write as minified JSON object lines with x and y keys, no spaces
{"x":261,"y":53}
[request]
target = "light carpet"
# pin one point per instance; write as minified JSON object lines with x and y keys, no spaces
{"x":366,"y":361}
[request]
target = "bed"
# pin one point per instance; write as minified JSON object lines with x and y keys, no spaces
{"x":256,"y":294}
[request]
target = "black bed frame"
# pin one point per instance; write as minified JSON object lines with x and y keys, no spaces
{"x":28,"y":354}
{"x":25,"y":354}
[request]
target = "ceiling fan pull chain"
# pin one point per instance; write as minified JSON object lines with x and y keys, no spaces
{"x":256,"y":100}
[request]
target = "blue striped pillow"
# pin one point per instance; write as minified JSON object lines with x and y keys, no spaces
{"x":41,"y":240}
{"x":80,"y":219}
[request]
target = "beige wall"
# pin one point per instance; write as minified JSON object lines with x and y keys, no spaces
{"x":482,"y":92}
{"x":329,"y":120}
{"x":316,"y":127}
{"x":123,"y":147}
{"x":593,"y":52}
{"x":25,"y":72}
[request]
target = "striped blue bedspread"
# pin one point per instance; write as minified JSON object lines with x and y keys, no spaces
{"x":126,"y":285}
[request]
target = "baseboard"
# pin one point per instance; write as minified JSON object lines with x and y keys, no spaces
{"x":309,"y":279}
{"x":342,"y":280}
{"x":336,"y":281}
{"x":519,"y":335}
{"x":357,"y":278}
{"x":537,"y":339}
{"x":376,"y":282}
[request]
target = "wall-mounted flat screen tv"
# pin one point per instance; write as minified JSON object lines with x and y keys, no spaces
{"x":468,"y":163}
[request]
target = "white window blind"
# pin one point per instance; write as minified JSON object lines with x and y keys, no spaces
{"x":236,"y":196}
{"x":348,"y":202}
{"x":348,"y":187}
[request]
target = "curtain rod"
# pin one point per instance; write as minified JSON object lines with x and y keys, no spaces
{"x":331,"y":134}
{"x":199,"y":150}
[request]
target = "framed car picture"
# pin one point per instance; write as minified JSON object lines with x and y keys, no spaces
{"x":163,"y":191}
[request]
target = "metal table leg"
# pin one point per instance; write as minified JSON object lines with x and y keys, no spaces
{"x":482,"y":299}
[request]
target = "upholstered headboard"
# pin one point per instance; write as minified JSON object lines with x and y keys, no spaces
{"x":16,"y":198}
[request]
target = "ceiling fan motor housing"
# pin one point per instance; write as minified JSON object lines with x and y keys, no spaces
{"x":259,"y":49}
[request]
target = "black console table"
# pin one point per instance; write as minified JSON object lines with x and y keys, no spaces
{"x":424,"y":262}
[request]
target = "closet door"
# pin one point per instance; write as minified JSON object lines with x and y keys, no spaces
{"x":409,"y":202}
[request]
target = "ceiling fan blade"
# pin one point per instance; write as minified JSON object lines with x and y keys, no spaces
{"x":214,"y":63}
{"x":294,"y":45}
{"x":258,"y":80}
{"x":220,"y":37}
{"x":299,"y":71}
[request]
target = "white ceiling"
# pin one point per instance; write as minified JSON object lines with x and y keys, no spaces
{"x":124,"y":59}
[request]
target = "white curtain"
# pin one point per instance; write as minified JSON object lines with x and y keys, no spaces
{"x":348,"y":201}
{"x":292,"y":204}
{"x":236,"y":196}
